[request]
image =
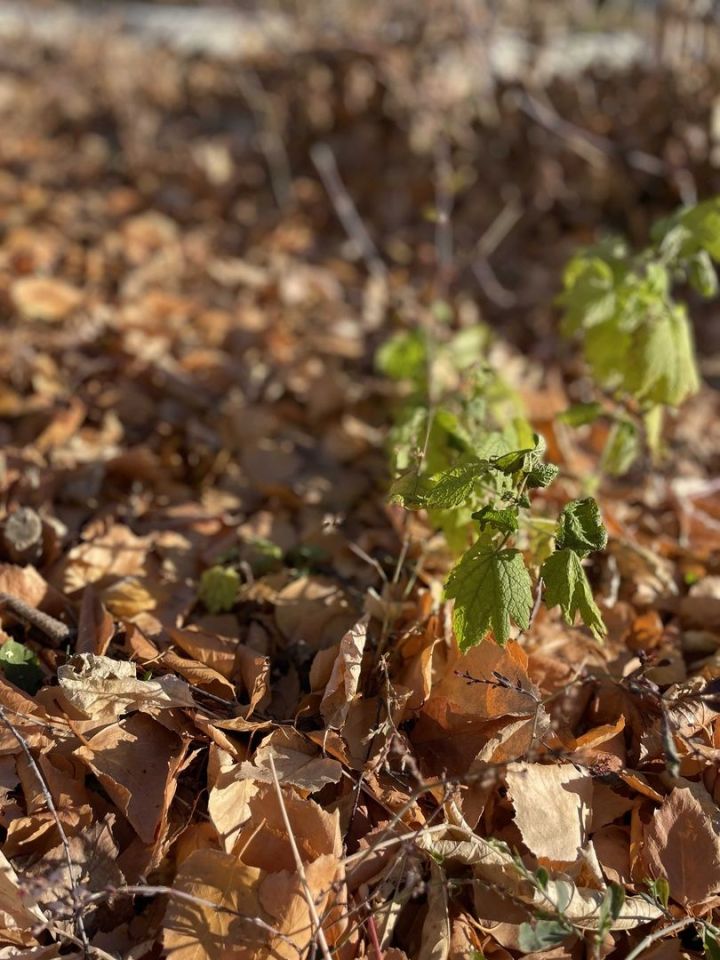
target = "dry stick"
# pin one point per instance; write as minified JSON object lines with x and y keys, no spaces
{"x":658,"y":934}
{"x":77,"y":905}
{"x":56,"y":630}
{"x":271,"y":141}
{"x":591,"y":146}
{"x":319,"y":932}
{"x":326,"y":165}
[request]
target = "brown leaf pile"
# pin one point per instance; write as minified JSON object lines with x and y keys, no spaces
{"x":187,"y":381}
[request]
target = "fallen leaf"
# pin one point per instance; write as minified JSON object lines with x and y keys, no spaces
{"x":103,"y":689}
{"x":679,"y":829}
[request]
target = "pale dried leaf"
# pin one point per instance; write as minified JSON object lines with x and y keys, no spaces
{"x":103,"y":689}
{"x":561,"y":788}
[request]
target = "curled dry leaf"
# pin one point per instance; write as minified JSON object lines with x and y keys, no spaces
{"x":103,"y":689}
{"x":492,"y":862}
{"x":344,"y":680}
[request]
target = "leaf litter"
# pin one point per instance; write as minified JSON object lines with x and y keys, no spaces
{"x":234,"y":718}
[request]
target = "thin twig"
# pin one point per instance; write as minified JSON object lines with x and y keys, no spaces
{"x":270,"y":139}
{"x":56,"y":630}
{"x":319,"y":932}
{"x":326,"y":166}
{"x":374,"y":939}
{"x":77,"y":904}
{"x":658,"y":934}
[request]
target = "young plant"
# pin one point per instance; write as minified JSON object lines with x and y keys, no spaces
{"x":465,"y":454}
{"x":636,"y":337}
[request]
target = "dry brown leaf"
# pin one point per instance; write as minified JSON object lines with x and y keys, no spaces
{"x":435,"y":942}
{"x":314,"y":611}
{"x":263,"y":840}
{"x":117,"y":552}
{"x":45,"y":298}
{"x":225,"y":930}
{"x":678,"y":831}
{"x":95,"y":626}
{"x":127,"y":598}
{"x":297,"y":762}
{"x":344,"y":679}
{"x":228,"y":797}
{"x":103,"y":689}
{"x":136,"y":761}
{"x":561,"y":788}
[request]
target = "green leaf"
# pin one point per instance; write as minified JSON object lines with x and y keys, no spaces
{"x":218,"y":588}
{"x":542,"y":475}
{"x":580,"y":414}
{"x":661,"y":891}
{"x":711,"y":945}
{"x":410,"y":489}
{"x":545,"y":935}
{"x":702,"y":275}
{"x":610,"y":909}
{"x":621,"y":449}
{"x":403,"y":357}
{"x":21,"y":666}
{"x":580,"y":527}
{"x":567,"y":584}
{"x":663,"y":368}
{"x":490,"y":588}
{"x":455,"y":486}
{"x":505,"y":520}
{"x":589,"y":292}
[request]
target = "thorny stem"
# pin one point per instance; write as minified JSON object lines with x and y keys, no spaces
{"x":374,"y":939}
{"x":77,"y":906}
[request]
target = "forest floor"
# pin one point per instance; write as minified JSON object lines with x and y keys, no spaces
{"x":199,"y":260}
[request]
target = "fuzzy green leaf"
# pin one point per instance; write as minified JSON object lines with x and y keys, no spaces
{"x":580,"y":527}
{"x":455,"y":486}
{"x":218,"y":588}
{"x":505,"y":520}
{"x":490,"y":588}
{"x":580,"y":414}
{"x":566,"y":584}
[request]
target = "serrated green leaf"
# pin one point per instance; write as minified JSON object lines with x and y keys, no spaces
{"x":567,"y":584}
{"x":490,"y":588}
{"x":218,"y":588}
{"x":545,"y":935}
{"x":505,"y":520}
{"x":542,"y":475}
{"x":455,"y":486}
{"x":580,"y":527}
{"x":403,"y":356}
{"x":621,"y":449}
{"x":21,"y":666}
